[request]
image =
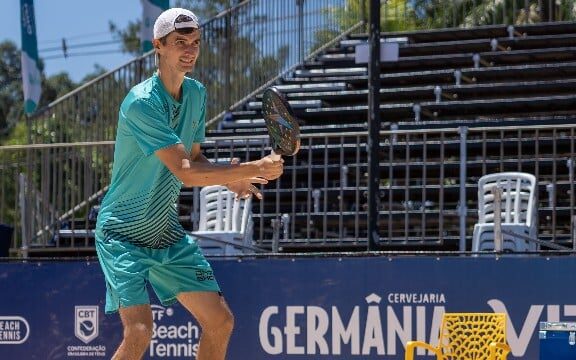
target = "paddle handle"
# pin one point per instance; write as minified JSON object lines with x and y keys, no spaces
{"x":275,"y":156}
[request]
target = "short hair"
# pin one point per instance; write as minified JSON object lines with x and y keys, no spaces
{"x":184,"y":31}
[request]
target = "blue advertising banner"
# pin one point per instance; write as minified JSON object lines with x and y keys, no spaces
{"x":297,"y":308}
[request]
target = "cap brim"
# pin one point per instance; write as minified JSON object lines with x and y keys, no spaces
{"x":186,"y":25}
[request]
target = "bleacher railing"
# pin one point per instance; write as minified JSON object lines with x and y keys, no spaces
{"x":428,"y":190}
{"x":242,"y":49}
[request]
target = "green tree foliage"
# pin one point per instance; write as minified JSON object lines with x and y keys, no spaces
{"x":10,"y":86}
{"x":395,"y":15}
{"x":468,"y":13}
{"x":56,"y":86}
{"x":130,"y":36}
{"x":402,"y":15}
{"x":98,"y":70}
{"x":11,"y":94}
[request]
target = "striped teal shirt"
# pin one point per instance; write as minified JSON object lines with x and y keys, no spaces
{"x":140,"y":205}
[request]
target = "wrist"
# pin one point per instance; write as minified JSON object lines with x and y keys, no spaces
{"x":255,"y":170}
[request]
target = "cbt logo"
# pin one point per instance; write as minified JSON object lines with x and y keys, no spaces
{"x":86,"y":323}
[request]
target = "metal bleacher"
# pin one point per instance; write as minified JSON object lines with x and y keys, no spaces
{"x":516,"y":104}
{"x":531,"y":72}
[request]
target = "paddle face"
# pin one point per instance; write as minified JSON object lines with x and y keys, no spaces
{"x":282,"y":125}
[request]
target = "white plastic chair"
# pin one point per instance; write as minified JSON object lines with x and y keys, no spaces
{"x":225,"y":220}
{"x":518,"y":212}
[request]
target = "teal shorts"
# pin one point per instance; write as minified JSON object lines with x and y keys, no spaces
{"x":170,"y":271}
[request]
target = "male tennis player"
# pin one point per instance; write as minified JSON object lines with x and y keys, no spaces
{"x":139,"y":239}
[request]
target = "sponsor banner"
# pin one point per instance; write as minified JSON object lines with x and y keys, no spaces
{"x":151,"y":9}
{"x":13,"y":330}
{"x":302,"y":308}
{"x":31,"y":76}
{"x":174,"y":335}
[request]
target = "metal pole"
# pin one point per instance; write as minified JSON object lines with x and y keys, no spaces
{"x":570,"y":164}
{"x":25,"y":207}
{"x":22,"y":202}
{"x":228,"y":58}
{"x":498,"y":241}
{"x":374,"y":125}
{"x":275,"y":235}
{"x":462,"y":209}
{"x":300,"y":4}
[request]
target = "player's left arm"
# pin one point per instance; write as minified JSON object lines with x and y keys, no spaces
{"x":242,"y":189}
{"x":196,"y":154}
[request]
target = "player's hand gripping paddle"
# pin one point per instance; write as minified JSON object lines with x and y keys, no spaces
{"x":282,"y":125}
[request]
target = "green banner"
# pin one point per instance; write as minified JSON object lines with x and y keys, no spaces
{"x":31,"y":78}
{"x":151,"y":10}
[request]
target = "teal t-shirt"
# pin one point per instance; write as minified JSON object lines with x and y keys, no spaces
{"x":140,"y":205}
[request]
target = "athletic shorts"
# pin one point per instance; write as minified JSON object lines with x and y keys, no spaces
{"x":170,"y":271}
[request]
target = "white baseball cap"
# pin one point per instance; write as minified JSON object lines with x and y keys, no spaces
{"x":173,"y":19}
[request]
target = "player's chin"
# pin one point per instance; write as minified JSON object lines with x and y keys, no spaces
{"x":186,"y":67}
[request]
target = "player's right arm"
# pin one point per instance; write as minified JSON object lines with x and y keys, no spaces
{"x":194,"y":173}
{"x":150,"y":129}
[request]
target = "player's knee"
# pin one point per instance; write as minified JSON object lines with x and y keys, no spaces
{"x":228,"y":322}
{"x":140,"y":333}
{"x":223,"y":323}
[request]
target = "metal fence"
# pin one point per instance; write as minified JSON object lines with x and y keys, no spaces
{"x":252,"y":44}
{"x":242,"y":49}
{"x":427,"y":14}
{"x":427,"y":195}
{"x":46,"y":188}
{"x":428,"y":189}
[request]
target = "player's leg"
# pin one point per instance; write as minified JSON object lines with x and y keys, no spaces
{"x":186,"y":276}
{"x":126,"y":268}
{"x":137,"y":323}
{"x":215,"y":318}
